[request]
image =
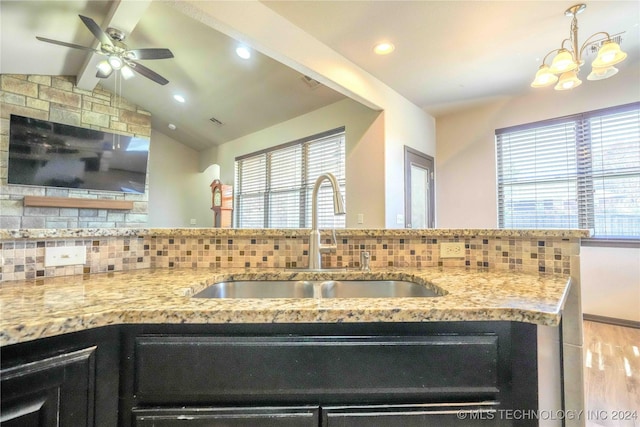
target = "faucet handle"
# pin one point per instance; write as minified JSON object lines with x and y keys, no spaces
{"x":364,"y":261}
{"x":332,"y":247}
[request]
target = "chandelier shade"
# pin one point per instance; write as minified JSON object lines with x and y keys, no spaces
{"x":568,"y":80}
{"x":609,"y":54}
{"x":602,"y":73}
{"x":566,"y":63}
{"x":544,"y":77}
{"x":563,"y":62}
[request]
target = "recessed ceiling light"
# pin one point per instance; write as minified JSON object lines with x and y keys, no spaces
{"x":383,"y":48}
{"x":178,"y":98}
{"x":172,"y":126}
{"x":243,"y":52}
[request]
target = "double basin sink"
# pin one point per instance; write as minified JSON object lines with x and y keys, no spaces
{"x":316,"y":289}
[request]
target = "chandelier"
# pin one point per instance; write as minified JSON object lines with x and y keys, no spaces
{"x":568,"y":60}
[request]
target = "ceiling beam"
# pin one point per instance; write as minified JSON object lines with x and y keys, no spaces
{"x":124,"y":15}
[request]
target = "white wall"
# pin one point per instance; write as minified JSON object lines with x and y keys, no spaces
{"x":611,"y":282}
{"x":364,"y":134}
{"x":404,"y":123}
{"x":466,"y":179}
{"x":178,"y":192}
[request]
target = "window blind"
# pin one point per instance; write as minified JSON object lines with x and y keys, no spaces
{"x":580,"y":171}
{"x":274,"y":187}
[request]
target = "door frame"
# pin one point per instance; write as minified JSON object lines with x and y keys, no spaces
{"x":413,"y":156}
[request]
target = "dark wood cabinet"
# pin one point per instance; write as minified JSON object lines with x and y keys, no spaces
{"x":70,"y":380}
{"x":250,"y":369}
{"x":328,"y":375}
{"x":373,"y":375}
{"x":43,"y":392}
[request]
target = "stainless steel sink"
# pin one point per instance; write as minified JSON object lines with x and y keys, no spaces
{"x":316,"y":289}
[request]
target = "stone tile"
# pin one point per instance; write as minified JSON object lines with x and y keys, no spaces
{"x":60,"y":114}
{"x":135,"y":118}
{"x":12,"y":98}
{"x":42,"y":80}
{"x":60,"y":96}
{"x":96,"y":119}
{"x":38,"y":104}
{"x":10,"y":222}
{"x":18,"y":86}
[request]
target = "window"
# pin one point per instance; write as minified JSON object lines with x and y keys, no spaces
{"x":580,"y":171}
{"x":274,"y":186}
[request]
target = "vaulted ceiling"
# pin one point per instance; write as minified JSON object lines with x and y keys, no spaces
{"x":448,"y":54}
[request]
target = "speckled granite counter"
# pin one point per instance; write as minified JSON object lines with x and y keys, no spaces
{"x":65,"y":233}
{"x":53,"y":306}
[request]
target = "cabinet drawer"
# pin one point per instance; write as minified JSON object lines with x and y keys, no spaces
{"x":319,"y":369}
{"x":228,"y":417}
{"x":436,"y":415}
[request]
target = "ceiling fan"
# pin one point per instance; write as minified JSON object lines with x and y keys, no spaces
{"x":119,"y":57}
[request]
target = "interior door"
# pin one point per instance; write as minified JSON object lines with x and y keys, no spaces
{"x":418,"y":190}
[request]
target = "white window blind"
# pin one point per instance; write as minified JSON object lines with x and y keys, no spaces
{"x":581,"y":171}
{"x":274,"y":187}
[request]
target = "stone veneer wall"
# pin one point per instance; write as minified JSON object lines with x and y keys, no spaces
{"x":24,"y":259}
{"x":57,"y":99}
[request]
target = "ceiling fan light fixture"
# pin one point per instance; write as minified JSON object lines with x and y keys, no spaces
{"x":117,"y":54}
{"x":544,"y":77}
{"x":104,"y":67}
{"x":568,"y":80}
{"x":126,"y":72}
{"x":116,"y":62}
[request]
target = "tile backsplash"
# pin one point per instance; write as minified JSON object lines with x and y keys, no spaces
{"x":24,"y":258}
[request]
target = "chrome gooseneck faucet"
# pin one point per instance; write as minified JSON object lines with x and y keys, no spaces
{"x":315,"y":247}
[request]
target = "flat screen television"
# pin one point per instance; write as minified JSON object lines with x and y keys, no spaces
{"x":52,"y":154}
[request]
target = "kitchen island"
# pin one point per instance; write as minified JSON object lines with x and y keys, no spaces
{"x":473,"y":348}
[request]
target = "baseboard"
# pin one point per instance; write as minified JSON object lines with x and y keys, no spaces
{"x":611,"y":321}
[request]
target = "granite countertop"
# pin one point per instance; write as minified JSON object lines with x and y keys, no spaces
{"x":56,"y":233}
{"x":49,"y":307}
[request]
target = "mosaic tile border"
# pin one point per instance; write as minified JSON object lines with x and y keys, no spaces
{"x":24,"y":259}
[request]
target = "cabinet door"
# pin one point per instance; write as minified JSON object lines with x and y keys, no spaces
{"x":56,"y":391}
{"x":228,"y":417}
{"x":261,"y":370}
{"x":426,"y":415}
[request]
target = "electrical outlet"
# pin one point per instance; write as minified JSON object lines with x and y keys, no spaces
{"x":360,"y":218}
{"x":452,"y":250}
{"x":64,"y":255}
{"x":192,"y":221}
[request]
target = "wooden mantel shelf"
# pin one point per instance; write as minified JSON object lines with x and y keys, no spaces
{"x":68,"y":202}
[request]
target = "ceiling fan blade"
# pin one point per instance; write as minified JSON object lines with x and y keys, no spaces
{"x":96,"y":30}
{"x":75,"y":46}
{"x":151,"y":53}
{"x":150,"y":74}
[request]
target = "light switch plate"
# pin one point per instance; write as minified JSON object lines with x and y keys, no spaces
{"x":452,"y":250}
{"x":64,"y":255}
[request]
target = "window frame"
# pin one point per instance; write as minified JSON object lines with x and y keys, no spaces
{"x":584,"y":175}
{"x":304,"y":187}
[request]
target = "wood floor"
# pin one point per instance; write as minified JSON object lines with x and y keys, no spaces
{"x":612,"y":375}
